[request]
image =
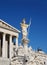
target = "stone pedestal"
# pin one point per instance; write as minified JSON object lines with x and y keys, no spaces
{"x":4,"y":61}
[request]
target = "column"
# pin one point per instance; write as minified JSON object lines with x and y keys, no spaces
{"x":10,"y":47}
{"x":16,"y":42}
{"x":6,"y":49}
{"x":25,"y":49}
{"x":0,"y":47}
{"x":3,"y":47}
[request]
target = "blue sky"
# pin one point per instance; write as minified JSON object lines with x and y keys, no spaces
{"x":13,"y":11}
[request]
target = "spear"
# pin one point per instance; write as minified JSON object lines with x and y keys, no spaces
{"x":29,"y":26}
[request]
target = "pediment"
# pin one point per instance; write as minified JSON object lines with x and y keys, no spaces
{"x":7,"y":26}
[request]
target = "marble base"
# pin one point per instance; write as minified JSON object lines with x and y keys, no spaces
{"x":4,"y":61}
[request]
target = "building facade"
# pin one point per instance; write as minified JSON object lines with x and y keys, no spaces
{"x":7,"y":34}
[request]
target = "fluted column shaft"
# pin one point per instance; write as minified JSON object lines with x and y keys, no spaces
{"x":10,"y":47}
{"x":3,"y":47}
{"x":17,"y":42}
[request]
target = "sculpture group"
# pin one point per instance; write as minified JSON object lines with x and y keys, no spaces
{"x":18,"y":54}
